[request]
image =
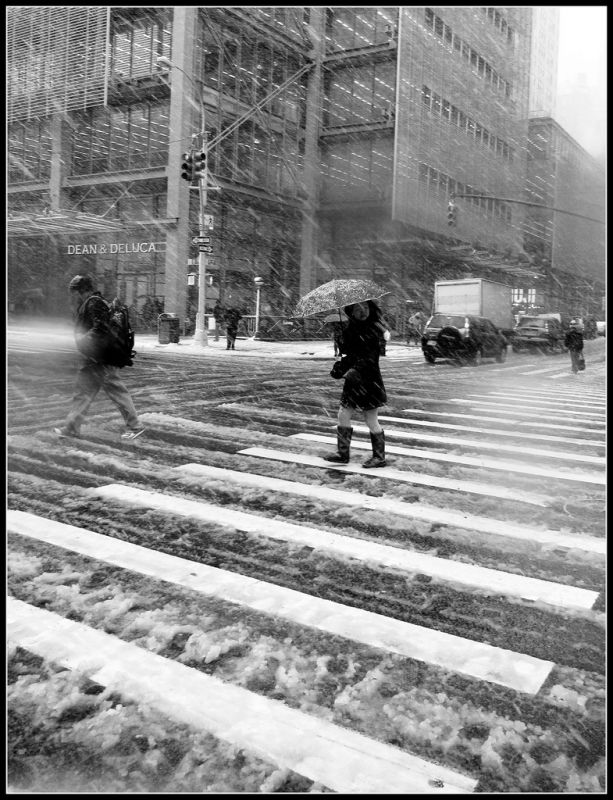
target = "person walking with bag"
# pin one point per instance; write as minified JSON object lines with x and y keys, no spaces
{"x":363,"y":341}
{"x":574,"y":342}
{"x":92,"y":315}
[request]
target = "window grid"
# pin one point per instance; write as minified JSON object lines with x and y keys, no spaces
{"x":482,"y":67}
{"x":455,"y":116}
{"x":118,"y":138}
{"x":438,"y":183}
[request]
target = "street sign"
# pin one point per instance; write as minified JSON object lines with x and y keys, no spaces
{"x":205,"y":248}
{"x":201,"y":240}
{"x":208,"y":221}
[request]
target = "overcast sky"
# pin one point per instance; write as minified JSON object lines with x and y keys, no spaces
{"x":581,"y":104}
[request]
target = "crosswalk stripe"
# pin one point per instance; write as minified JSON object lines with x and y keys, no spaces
{"x":481,"y":661}
{"x":505,"y":420}
{"x":338,"y":758}
{"x":496,"y":446}
{"x":472,"y":461}
{"x":524,"y":397}
{"x":457,"y":572}
{"x":564,"y":392}
{"x":388,"y":505}
{"x":494,"y":431}
{"x":470,"y":487}
{"x":537,"y":402}
{"x":585,"y":417}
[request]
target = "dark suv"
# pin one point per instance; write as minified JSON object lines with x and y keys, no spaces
{"x":462,"y":337}
{"x":539,"y":333}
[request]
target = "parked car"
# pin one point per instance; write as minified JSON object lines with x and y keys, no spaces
{"x":542,"y":332}
{"x":464,"y":338}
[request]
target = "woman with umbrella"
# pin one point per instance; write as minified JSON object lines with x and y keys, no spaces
{"x":363,"y":341}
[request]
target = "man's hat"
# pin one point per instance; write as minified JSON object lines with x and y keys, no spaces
{"x":81,"y":283}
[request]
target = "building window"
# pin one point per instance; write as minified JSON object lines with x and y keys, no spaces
{"x":29,"y":151}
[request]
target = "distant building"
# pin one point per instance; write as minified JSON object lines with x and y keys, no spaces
{"x":568,"y":248}
{"x":544,"y":41}
{"x":336,"y":138}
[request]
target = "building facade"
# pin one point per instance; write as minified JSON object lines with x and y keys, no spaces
{"x":336,"y":138}
{"x":567,"y":245}
{"x":544,"y":61}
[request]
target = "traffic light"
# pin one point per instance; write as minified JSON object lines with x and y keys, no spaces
{"x":451,"y":213}
{"x":200,"y":164}
{"x":187,"y":167}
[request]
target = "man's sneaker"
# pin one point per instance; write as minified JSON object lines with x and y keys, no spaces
{"x":66,"y":433}
{"x":132,"y":434}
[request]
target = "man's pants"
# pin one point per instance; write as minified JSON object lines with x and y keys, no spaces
{"x":574,"y":359}
{"x":230,"y":337}
{"x":90,"y":379}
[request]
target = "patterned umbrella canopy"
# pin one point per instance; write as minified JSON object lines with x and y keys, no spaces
{"x":336,"y":294}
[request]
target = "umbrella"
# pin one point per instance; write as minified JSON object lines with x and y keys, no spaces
{"x":337,"y":293}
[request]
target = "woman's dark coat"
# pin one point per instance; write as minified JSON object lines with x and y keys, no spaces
{"x":362,"y":344}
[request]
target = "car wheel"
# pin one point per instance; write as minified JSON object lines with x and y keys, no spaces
{"x":502,"y":355}
{"x":429,"y":359}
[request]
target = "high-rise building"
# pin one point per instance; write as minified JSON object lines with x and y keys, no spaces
{"x":544,"y":55}
{"x":335,"y":138}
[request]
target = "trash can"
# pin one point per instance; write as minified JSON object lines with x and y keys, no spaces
{"x":168,"y":328}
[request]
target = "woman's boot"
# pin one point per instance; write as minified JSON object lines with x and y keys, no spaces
{"x":378,"y":451}
{"x":343,"y":441}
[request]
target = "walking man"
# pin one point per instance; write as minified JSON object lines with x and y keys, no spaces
{"x":91,"y":315}
{"x":231,"y":318}
{"x":574,"y":342}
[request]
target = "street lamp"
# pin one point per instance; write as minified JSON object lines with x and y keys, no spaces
{"x":258,"y":286}
{"x":200,"y":334}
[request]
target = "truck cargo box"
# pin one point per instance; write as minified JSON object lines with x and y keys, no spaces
{"x":478,"y":297}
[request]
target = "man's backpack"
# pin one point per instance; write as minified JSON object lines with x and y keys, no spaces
{"x":114,"y":344}
{"x":119,"y":323}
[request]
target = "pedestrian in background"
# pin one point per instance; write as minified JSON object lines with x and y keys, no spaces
{"x":337,"y":336}
{"x":218,"y":315}
{"x":92,"y":315}
{"x":574,"y":342}
{"x":232,"y":317}
{"x":363,"y":342}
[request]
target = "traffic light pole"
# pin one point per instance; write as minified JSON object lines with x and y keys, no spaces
{"x":200,"y":333}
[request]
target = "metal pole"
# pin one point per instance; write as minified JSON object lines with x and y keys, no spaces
{"x":200,"y":333}
{"x":257,"y":312}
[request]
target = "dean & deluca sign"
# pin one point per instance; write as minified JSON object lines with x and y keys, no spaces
{"x":115,"y":247}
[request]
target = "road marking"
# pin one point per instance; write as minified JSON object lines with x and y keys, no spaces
{"x":497,"y":406}
{"x":456,"y":572}
{"x":472,"y":461}
{"x":388,"y":505}
{"x":497,"y":446}
{"x":502,"y":420}
{"x":564,"y":392}
{"x":494,"y":431}
{"x":541,"y":402}
{"x":542,"y":371}
{"x":481,"y":661}
{"x":560,"y":399}
{"x":340,"y":759}
{"x":471,"y":487}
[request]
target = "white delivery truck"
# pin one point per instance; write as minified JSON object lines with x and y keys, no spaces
{"x":476,"y":297}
